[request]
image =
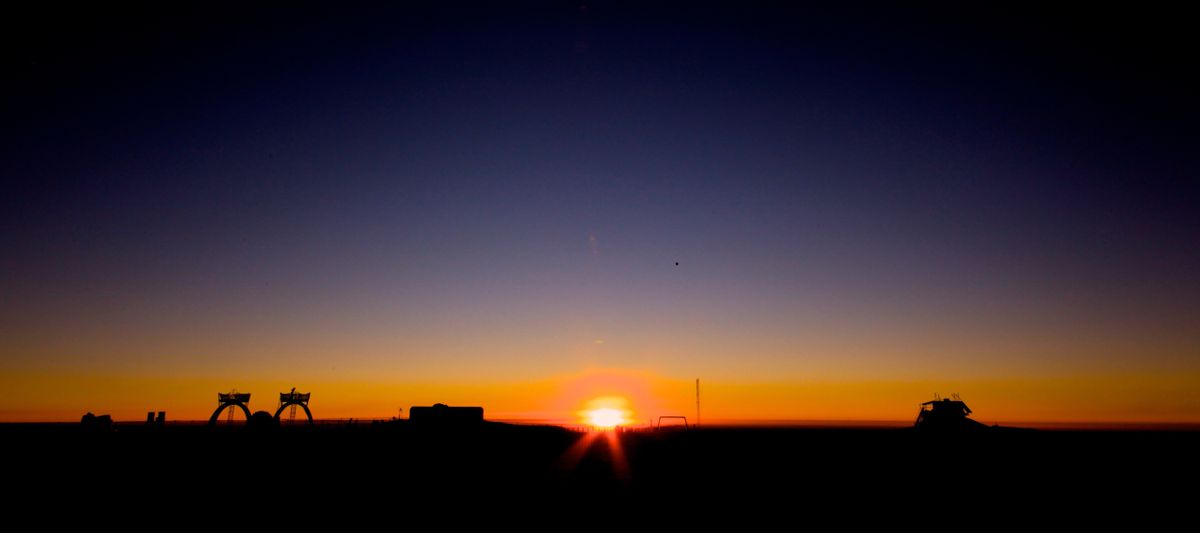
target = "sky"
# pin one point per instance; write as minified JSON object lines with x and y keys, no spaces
{"x":822,"y":213}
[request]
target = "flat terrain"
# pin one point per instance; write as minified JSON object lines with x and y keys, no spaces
{"x":776,"y":470}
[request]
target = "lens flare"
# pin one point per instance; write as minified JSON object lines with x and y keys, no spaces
{"x":606,"y":418}
{"x":606,"y":413}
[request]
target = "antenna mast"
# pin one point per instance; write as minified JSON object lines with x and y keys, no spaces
{"x":697,"y":424}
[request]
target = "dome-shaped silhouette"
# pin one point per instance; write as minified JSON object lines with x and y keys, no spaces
{"x":262,"y":420}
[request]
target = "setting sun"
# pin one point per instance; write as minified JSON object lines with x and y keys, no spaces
{"x":606,"y":418}
{"x":607,"y":412}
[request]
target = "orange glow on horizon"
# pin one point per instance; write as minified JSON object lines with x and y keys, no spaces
{"x":606,"y":418}
{"x":606,"y":412}
{"x":1145,"y":398}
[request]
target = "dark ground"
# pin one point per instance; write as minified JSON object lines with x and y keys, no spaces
{"x":872,"y":474}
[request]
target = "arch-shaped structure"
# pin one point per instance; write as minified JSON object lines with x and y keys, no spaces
{"x":288,"y":399}
{"x":230,"y":399}
{"x":683,"y":418}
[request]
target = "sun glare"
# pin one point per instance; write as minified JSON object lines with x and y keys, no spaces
{"x":606,"y":412}
{"x":606,"y":418}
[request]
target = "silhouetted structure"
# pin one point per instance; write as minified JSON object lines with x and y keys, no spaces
{"x":262,"y":421}
{"x":945,"y":414}
{"x":685,"y":426}
{"x":91,"y":422}
{"x":442,"y":415}
{"x":294,"y":399}
{"x":152,"y":421}
{"x":231,"y":399}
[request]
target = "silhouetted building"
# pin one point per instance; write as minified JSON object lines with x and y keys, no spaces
{"x":262,"y":421}
{"x":443,"y":415}
{"x":946,"y":414}
{"x":152,"y":421}
{"x":91,"y":422}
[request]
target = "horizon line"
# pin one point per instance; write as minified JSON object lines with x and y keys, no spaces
{"x":727,"y":423}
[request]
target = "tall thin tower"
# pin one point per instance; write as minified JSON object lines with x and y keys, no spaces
{"x":697,"y":402}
